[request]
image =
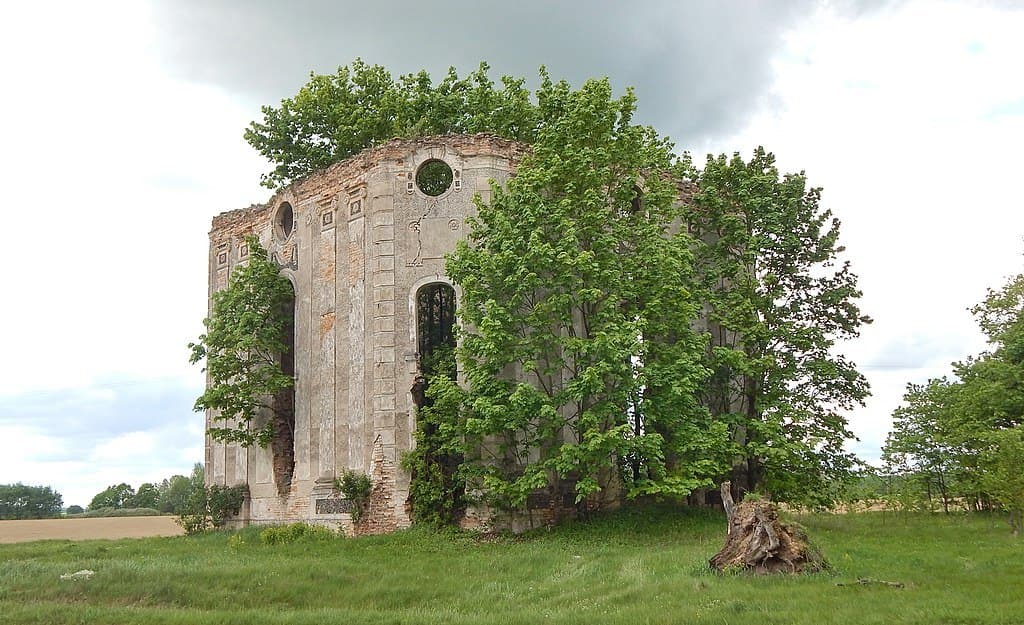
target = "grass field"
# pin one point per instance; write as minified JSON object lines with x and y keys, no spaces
{"x":638,"y":566}
{"x":88,"y":528}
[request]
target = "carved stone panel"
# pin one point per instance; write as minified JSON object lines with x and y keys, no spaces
{"x":333,"y":505}
{"x":430,"y":238}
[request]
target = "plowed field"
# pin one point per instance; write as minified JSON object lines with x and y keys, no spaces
{"x":86,"y":529}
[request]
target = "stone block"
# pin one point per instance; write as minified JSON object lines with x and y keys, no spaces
{"x":383,"y":339}
{"x":384,"y":278}
{"x":384,"y":355}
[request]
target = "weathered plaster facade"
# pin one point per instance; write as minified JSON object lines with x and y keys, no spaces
{"x":360,"y":240}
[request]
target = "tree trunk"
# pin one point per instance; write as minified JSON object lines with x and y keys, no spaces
{"x":759,"y":542}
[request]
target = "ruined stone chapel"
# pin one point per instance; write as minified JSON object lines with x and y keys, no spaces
{"x":362,"y":243}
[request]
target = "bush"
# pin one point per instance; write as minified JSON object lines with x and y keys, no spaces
{"x":355,"y":486}
{"x":295,"y":532}
{"x":224,"y":501}
{"x":113,"y":512}
{"x":210,"y":507}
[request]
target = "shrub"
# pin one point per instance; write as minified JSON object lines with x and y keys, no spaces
{"x":114,"y":512}
{"x":210,"y":507}
{"x":356,"y":487}
{"x":224,"y":501}
{"x":295,"y":532}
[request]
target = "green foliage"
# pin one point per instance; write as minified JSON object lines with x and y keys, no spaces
{"x":209,"y":506}
{"x":920,"y":446}
{"x":295,"y":532}
{"x":355,"y":486}
{"x":778,"y":301}
{"x":1004,"y":477}
{"x":147,"y":496}
{"x":246,"y":334}
{"x":174,"y":494}
{"x":75,"y":509}
{"x":116,"y":496}
{"x":964,"y":434}
{"x":571,"y":279}
{"x":94,"y":513}
{"x":335,"y":116}
{"x":436,"y":487}
{"x":18,"y":501}
{"x":578,"y":276}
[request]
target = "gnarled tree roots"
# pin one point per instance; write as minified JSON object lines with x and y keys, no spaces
{"x":759,"y":542}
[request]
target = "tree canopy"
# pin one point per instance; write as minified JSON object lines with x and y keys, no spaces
{"x":778,"y":299}
{"x":246,"y":333}
{"x":576,"y":277}
{"x":963,"y":436}
{"x":114,"y":496}
{"x":335,"y":116}
{"x":19,"y":501}
{"x":616,"y":333}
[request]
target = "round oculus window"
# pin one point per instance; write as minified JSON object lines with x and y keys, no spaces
{"x":434,"y":177}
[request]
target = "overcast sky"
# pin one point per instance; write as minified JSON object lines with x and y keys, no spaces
{"x":122,"y":130}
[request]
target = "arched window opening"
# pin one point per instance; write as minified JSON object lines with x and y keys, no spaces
{"x":435,"y":329}
{"x":284,"y":221}
{"x":282,"y":442}
{"x":436,"y":490}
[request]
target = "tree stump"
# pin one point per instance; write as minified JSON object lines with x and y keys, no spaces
{"x":757,"y":541}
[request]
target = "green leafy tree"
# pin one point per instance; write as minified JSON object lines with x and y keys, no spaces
{"x":778,"y":301}
{"x":1004,"y":477}
{"x":174,"y":494}
{"x":147,"y":496}
{"x":19,"y":501}
{"x":245,"y":345}
{"x":116,"y":496}
{"x":565,"y":282}
{"x":75,"y":509}
{"x":920,"y":445}
{"x":972,"y":427}
{"x":334,"y":116}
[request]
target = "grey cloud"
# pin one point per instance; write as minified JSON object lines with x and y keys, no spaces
{"x":699,"y":67}
{"x":87,"y":417}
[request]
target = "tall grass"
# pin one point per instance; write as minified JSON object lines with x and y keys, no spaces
{"x":636,"y":566}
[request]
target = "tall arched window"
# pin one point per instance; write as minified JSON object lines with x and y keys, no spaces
{"x":435,"y":328}
{"x":282,"y":442}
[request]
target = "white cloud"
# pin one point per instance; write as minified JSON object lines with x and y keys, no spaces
{"x":893,"y":114}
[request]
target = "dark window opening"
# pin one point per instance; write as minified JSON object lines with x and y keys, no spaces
{"x":435,"y":332}
{"x":637,"y":204}
{"x":285,"y":221}
{"x":435,"y":329}
{"x":282,"y":442}
{"x":434,"y":177}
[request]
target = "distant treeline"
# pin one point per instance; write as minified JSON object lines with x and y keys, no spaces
{"x":19,"y":501}
{"x":170,"y":496}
